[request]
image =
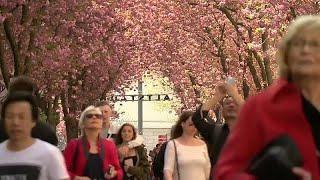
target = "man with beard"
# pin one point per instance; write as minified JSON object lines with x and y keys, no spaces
{"x":215,"y":134}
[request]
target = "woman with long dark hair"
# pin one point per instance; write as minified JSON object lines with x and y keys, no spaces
{"x":186,"y":156}
{"x":135,"y":163}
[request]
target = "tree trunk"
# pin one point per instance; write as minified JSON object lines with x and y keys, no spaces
{"x":13,"y":46}
{"x":71,"y":123}
{"x":266,"y":58}
{"x":245,"y":89}
{"x":71,"y":128}
{"x":3,"y":65}
{"x":261,"y":66}
{"x":195,"y":90}
{"x":52,"y":115}
{"x":253,"y":72}
{"x":222,"y":56}
{"x":27,"y":60}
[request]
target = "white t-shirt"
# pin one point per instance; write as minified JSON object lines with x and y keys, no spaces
{"x":194,"y":162}
{"x":113,"y":129}
{"x":41,"y":158}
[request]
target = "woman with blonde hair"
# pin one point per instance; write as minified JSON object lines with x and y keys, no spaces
{"x":291,"y":106}
{"x":186,"y":157}
{"x":90,"y":156}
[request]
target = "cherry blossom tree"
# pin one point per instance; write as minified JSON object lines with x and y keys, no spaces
{"x":81,"y":51}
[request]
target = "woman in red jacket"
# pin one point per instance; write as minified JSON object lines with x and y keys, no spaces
{"x":92,"y":157}
{"x":290,"y":106}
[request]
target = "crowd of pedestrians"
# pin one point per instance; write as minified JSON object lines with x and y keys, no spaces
{"x":273,"y":135}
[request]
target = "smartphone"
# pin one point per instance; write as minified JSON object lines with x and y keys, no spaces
{"x":230,"y":80}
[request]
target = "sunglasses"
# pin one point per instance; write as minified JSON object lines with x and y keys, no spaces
{"x":98,"y":116}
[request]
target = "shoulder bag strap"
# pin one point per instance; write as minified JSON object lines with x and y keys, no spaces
{"x":176,"y":157}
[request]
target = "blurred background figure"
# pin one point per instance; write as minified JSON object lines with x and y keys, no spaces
{"x":21,"y":155}
{"x":158,"y":162}
{"x":42,"y":130}
{"x":154,"y":151}
{"x":110,"y":129}
{"x":215,"y":134}
{"x":90,"y":156}
{"x":135,"y":163}
{"x":290,"y":106}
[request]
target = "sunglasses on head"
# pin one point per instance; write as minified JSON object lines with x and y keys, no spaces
{"x":99,"y":116}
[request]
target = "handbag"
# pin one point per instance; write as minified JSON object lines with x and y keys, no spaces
{"x":276,"y":160}
{"x":176,"y":158}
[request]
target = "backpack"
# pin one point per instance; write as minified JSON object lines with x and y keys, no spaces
{"x":158,"y":162}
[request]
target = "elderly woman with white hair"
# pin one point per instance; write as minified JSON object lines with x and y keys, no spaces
{"x":92,"y":157}
{"x":291,"y":106}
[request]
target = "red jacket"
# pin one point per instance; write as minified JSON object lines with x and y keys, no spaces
{"x":264,"y":117}
{"x":110,"y":158}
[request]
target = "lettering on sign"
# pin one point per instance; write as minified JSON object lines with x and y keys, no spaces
{"x":148,"y":97}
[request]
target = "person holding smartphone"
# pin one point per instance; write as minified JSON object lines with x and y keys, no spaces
{"x":215,"y":134}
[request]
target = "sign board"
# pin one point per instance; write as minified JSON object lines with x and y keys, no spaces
{"x":147,"y":97}
{"x":162,"y":138}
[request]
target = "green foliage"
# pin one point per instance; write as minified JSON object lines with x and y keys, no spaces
{"x":42,"y":116}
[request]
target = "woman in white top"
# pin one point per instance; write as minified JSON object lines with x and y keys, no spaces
{"x":192,"y":161}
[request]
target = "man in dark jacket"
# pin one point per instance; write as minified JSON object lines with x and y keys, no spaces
{"x":158,"y":162}
{"x":215,"y":134}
